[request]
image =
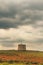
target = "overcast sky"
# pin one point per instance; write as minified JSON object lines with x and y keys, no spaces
{"x":21,"y":20}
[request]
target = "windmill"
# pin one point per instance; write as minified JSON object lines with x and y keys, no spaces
{"x":21,"y":46}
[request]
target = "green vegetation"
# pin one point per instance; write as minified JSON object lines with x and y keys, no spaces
{"x":15,"y":52}
{"x":6,"y":63}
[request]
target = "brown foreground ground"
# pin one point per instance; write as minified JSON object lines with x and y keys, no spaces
{"x":33,"y":57}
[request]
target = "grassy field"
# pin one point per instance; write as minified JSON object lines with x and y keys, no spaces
{"x":13,"y":57}
{"x":6,"y":63}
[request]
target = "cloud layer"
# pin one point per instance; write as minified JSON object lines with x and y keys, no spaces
{"x":21,"y":20}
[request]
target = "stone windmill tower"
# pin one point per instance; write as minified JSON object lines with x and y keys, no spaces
{"x":22,"y":47}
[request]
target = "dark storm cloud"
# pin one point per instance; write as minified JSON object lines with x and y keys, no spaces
{"x":9,"y":10}
{"x":6,"y":24}
{"x":36,"y":6}
{"x":35,"y":13}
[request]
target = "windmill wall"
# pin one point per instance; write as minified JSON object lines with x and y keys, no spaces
{"x":21,"y":47}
